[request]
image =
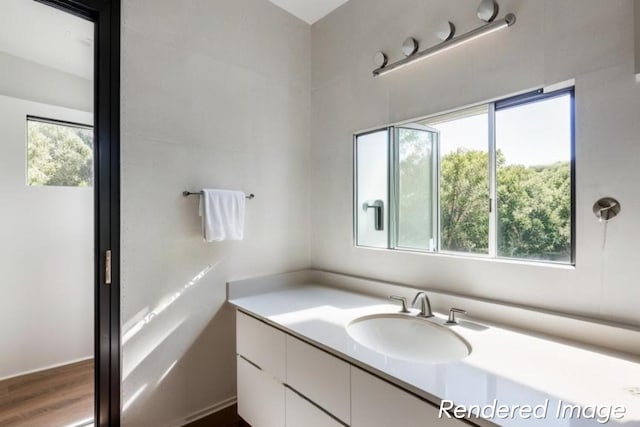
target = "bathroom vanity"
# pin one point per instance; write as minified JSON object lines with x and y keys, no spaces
{"x":299,"y":364}
{"x":283,"y":380}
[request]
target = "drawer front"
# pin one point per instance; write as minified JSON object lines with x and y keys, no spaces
{"x":320,"y":377}
{"x":261,"y":344}
{"x":261,"y":398}
{"x":376,"y":403}
{"x":302,"y":413}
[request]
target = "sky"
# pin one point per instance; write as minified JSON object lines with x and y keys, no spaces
{"x":531,"y":135}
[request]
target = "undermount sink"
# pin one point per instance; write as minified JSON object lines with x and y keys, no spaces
{"x":408,"y":338}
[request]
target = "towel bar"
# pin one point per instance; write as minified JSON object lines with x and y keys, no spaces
{"x":199,"y":193}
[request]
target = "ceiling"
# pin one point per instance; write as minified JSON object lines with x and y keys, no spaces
{"x":309,"y":11}
{"x":48,"y":36}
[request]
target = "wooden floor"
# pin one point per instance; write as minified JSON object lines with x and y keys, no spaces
{"x":56,"y":397}
{"x":228,"y":417}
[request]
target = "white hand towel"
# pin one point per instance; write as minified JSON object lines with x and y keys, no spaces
{"x":222,"y":214}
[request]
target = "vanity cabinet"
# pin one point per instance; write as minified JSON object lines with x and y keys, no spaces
{"x":376,"y":403}
{"x":285,"y":382}
{"x":261,"y":398}
{"x":261,"y":344}
{"x":300,"y":412}
{"x":321,"y":377}
{"x":261,"y":371}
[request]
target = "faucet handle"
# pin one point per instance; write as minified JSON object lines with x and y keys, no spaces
{"x":403,"y":300}
{"x":452,"y":315}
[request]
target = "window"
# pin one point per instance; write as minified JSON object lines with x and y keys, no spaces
{"x":59,"y":153}
{"x":464,"y":180}
{"x":496,"y":180}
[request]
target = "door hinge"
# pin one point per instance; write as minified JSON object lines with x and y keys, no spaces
{"x":107,"y":267}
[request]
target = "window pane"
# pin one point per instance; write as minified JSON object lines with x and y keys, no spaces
{"x":59,"y":154}
{"x":464,"y":180}
{"x":415,"y":188}
{"x":372,"y":163}
{"x":533,"y":143}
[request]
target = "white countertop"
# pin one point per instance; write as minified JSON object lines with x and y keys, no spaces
{"x":509,"y":366}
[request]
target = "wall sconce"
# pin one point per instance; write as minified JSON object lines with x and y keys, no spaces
{"x":606,"y":208}
{"x":487,"y":11}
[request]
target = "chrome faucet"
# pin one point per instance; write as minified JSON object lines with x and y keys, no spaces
{"x":425,"y":304}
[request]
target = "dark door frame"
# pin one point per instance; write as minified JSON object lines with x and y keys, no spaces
{"x":106,"y":16}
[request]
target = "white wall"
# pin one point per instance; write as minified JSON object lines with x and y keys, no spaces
{"x":46,"y":254}
{"x":35,"y":82}
{"x":214,"y":94}
{"x":636,"y":6}
{"x":552,"y":41}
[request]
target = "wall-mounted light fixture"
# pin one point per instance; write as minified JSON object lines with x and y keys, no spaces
{"x":380,"y":59}
{"x":446,"y":31}
{"x":410,"y":46}
{"x":606,"y":208}
{"x":487,"y":10}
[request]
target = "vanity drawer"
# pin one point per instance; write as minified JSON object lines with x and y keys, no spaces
{"x":376,"y":403}
{"x":301,"y":412}
{"x":261,"y":398}
{"x":261,"y":344}
{"x":320,"y":377}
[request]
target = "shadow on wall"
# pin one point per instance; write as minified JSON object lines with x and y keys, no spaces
{"x":155,"y":344}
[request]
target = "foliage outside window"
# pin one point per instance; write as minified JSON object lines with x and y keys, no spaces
{"x":59,"y":153}
{"x":494,"y":181}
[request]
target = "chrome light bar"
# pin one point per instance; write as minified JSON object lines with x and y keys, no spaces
{"x":489,"y":28}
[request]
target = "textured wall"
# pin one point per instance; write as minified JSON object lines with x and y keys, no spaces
{"x":554,"y":40}
{"x":636,"y":7}
{"x":214,"y":94}
{"x":227,"y":93}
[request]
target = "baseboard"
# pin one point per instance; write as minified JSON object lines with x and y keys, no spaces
{"x":210,"y":410}
{"x":46,"y":368}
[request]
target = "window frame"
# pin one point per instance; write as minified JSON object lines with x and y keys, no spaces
{"x":393,"y":182}
{"x":354,"y":189}
{"x":106,"y":89}
{"x":394,"y":187}
{"x":57,"y":122}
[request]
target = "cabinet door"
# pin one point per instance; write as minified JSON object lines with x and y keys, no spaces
{"x":262,"y":344}
{"x":302,"y":413}
{"x":376,"y":403}
{"x":261,"y":398}
{"x":320,"y":377}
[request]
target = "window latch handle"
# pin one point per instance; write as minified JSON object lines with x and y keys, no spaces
{"x":378,"y":218}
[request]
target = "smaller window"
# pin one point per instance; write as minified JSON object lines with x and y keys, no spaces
{"x":59,"y":153}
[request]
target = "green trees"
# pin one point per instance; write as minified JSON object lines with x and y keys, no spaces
{"x":534,"y":207}
{"x":59,"y":155}
{"x":464,"y":201}
{"x":534,"y":211}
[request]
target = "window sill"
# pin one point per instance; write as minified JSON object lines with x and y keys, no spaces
{"x":476,"y":257}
